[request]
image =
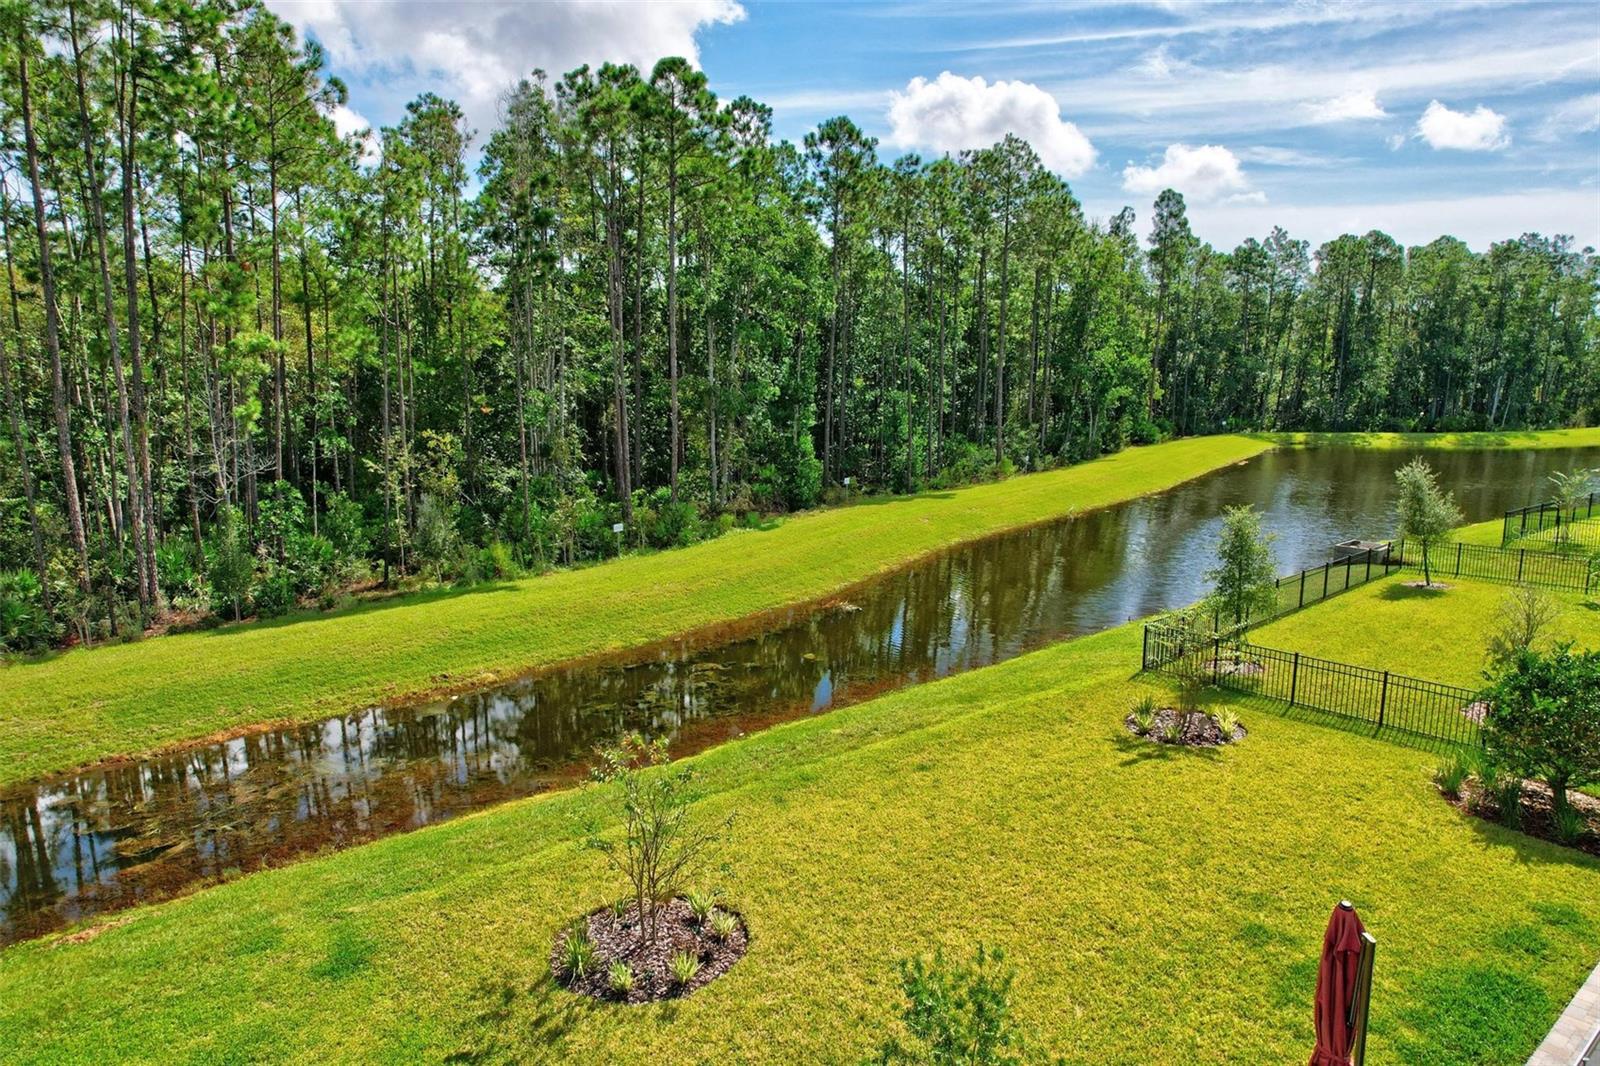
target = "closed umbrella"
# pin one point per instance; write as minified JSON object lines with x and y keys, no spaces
{"x":1338,"y":979}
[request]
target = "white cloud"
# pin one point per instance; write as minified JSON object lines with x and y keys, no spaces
{"x":347,"y":121}
{"x":1274,"y":156}
{"x":951,"y":113}
{"x":1346,"y":107}
{"x":475,"y":52}
{"x":1481,"y":130}
{"x":1581,"y":114}
{"x":1206,"y":174}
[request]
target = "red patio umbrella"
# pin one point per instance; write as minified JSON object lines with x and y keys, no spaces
{"x":1337,"y":985}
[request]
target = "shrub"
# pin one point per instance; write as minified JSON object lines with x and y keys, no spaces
{"x":273,"y":594}
{"x":345,"y":526}
{"x":1567,"y":823}
{"x":1544,"y":718}
{"x":619,"y":977}
{"x":1227,"y":720}
{"x":175,"y":563}
{"x":1453,"y":773}
{"x":661,"y":844}
{"x":438,"y":544}
{"x":230,"y":565}
{"x":1523,"y":615}
{"x":684,"y":967}
{"x":723,"y":924}
{"x":957,"y":1013}
{"x":1173,"y":733}
{"x":700,"y":904}
{"x":577,"y":951}
{"x":1508,"y":800}
{"x":1144,"y":716}
{"x":24,"y":624}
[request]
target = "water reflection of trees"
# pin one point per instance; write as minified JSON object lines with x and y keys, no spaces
{"x":104,"y":837}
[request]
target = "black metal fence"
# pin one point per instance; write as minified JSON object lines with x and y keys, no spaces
{"x":1385,"y":700}
{"x":1518,"y":566}
{"x":1574,"y":525}
{"x":1316,"y":583}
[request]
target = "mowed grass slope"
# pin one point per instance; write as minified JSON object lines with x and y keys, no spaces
{"x":1161,"y":906}
{"x":1437,"y":634}
{"x":86,"y":705}
{"x":1583,"y":437}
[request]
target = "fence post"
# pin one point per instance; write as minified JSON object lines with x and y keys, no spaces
{"x":1522,"y":558}
{"x":1383,"y":699}
{"x":1216,"y":655}
{"x":1302,"y":589}
{"x":1144,"y":656}
{"x":1369,"y":565}
{"x":1325,"y":568}
{"x":1294,"y":679}
{"x":1459,"y":548}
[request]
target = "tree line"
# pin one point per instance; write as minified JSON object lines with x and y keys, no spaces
{"x":245,"y":361}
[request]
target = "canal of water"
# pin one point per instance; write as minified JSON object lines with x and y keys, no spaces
{"x":82,"y":844}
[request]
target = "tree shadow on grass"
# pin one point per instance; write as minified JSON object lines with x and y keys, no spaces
{"x":1400,"y":590}
{"x":1528,"y":850}
{"x":543,"y":1019}
{"x":1137,"y":750}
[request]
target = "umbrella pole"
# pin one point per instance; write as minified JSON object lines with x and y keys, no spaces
{"x":1361,"y":1003}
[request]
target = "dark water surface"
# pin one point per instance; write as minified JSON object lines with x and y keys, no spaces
{"x":75,"y":846}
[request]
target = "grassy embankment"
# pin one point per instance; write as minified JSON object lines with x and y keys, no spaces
{"x":1162,"y":906}
{"x":1435,"y":634}
{"x":1587,"y":437}
{"x":90,"y":704}
{"x":126,"y":699}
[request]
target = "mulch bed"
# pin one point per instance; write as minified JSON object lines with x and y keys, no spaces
{"x":617,"y":939}
{"x":1199,"y":730}
{"x":1537,"y":820}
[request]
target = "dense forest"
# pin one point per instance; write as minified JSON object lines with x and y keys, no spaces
{"x":247,"y":363}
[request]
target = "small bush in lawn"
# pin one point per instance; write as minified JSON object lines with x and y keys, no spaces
{"x":620,"y":978}
{"x":1567,"y":823}
{"x":662,"y":842}
{"x":1227,"y":721}
{"x":684,"y":967}
{"x":1524,"y":614}
{"x":723,"y":924}
{"x":700,"y":904}
{"x":620,"y":909}
{"x":1453,"y":773}
{"x":1508,"y":799}
{"x":578,"y":950}
{"x":1144,"y":721}
{"x":1544,"y":718}
{"x":957,"y":1012}
{"x":1173,"y":733}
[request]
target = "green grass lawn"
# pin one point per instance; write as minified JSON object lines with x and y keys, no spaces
{"x":1489,"y":533}
{"x":1161,"y":906}
{"x":1428,"y":633}
{"x":1587,"y":437}
{"x":84,"y":705}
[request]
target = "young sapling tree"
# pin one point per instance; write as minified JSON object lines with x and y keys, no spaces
{"x":661,"y":844}
{"x":1426,"y":512}
{"x":1244,"y":581}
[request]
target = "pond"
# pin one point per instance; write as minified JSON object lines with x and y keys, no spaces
{"x":92,"y":842}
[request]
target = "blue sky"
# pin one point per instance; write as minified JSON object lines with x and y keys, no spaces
{"x":1479,"y":119}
